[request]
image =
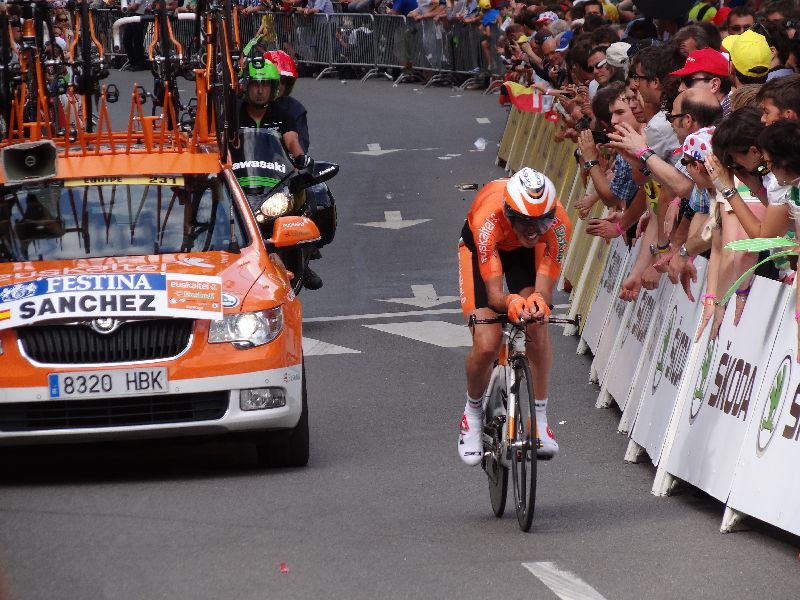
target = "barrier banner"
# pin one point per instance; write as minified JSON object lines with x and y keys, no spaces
{"x":668,"y":362}
{"x":525,"y":124}
{"x":765,"y":484}
{"x":627,"y":354}
{"x":607,"y":289}
{"x":533,"y":157}
{"x":724,"y":391}
{"x":509,"y":135}
{"x":611,"y":327}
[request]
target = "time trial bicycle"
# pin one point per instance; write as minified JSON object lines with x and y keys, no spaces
{"x":510,"y":437}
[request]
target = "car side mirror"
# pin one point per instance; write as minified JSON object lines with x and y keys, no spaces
{"x":293,"y":231}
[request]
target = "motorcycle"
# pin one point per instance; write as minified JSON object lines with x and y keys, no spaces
{"x":275,"y":188}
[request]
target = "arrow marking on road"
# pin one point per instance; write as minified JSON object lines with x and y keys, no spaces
{"x":564,"y":584}
{"x":312,"y":347}
{"x":437,"y":333}
{"x":424,"y":296}
{"x":376,"y":150}
{"x":394,"y":220}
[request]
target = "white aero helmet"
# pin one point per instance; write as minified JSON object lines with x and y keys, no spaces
{"x":529,"y":194}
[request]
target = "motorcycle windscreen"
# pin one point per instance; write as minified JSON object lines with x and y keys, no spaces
{"x":260,"y":161}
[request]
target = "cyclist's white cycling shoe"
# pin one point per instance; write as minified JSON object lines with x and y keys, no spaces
{"x":470,"y":445}
{"x":549,"y":444}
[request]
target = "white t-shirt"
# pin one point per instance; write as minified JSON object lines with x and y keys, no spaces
{"x":662,"y":139}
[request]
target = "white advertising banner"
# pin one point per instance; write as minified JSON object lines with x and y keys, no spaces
{"x":614,"y":320}
{"x":722,"y":396}
{"x":661,"y":382}
{"x":627,"y":356}
{"x":110,"y":295}
{"x":606,"y":291}
{"x":765,"y":483}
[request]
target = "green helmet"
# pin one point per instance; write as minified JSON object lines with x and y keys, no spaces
{"x":260,"y":69}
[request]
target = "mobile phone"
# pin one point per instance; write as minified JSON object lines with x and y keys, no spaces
{"x":562,"y":110}
{"x":600,"y":137}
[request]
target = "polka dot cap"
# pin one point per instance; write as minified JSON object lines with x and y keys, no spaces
{"x":698,"y":144}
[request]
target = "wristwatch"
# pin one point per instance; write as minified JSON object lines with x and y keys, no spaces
{"x":588,"y":164}
{"x":683,"y":252}
{"x":655,"y":250}
{"x":727,"y":194}
{"x":645,"y":155}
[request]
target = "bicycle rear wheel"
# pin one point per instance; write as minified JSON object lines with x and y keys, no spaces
{"x":492,"y":443}
{"x":523,"y":444}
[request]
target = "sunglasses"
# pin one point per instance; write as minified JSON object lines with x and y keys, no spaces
{"x":671,"y":117}
{"x":599,"y":65}
{"x":689,"y":160}
{"x":635,"y":77}
{"x":737,"y":28}
{"x":760,"y":170}
{"x":539,"y":224}
{"x":690,"y":81}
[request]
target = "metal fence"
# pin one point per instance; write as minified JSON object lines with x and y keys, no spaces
{"x":390,"y":46}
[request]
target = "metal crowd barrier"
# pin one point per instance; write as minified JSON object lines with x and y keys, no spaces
{"x":433,"y":51}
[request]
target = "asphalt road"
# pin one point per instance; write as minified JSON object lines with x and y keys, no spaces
{"x":385,"y":508}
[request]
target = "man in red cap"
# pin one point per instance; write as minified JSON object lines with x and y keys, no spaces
{"x":707,"y":69}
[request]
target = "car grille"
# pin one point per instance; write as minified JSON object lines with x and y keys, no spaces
{"x":113,"y":412}
{"x":151,"y":339}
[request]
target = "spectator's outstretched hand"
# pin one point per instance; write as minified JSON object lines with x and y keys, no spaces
{"x":662,"y":263}
{"x":741,"y":300}
{"x":719,"y":313}
{"x":720,"y":176}
{"x":603,"y":228}
{"x":688,"y":276}
{"x":627,"y":139}
{"x":650,"y":278}
{"x":585,"y":205}
{"x":671,"y":218}
{"x":587,"y":145}
{"x":644,"y":221}
{"x":629,"y":290}
{"x":708,"y":312}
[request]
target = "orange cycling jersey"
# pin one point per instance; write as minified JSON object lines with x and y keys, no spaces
{"x":492,"y":232}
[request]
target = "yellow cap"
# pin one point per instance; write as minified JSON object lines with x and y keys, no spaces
{"x":522,"y":39}
{"x":485,"y":4}
{"x":750,"y":53}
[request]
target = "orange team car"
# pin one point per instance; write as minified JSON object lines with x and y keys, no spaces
{"x":138,"y":298}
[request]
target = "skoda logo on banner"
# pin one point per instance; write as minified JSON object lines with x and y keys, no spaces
{"x":104,"y":325}
{"x":658,"y":373}
{"x":701,"y":384}
{"x":768,"y":423}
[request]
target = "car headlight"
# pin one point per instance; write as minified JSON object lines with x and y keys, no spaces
{"x":247,"y":329}
{"x":277,"y":205}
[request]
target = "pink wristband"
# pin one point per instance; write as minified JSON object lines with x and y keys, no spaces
{"x":642,"y":151}
{"x":797,"y":315}
{"x":675,"y":201}
{"x":620,"y":230}
{"x":706,"y":296}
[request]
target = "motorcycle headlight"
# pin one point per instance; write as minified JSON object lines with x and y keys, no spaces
{"x":247,"y":329}
{"x":276,"y":205}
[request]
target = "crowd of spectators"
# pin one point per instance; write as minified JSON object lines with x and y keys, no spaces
{"x":687,"y":130}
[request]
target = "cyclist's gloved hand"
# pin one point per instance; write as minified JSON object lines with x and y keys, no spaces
{"x":301,"y":161}
{"x":536,"y":305}
{"x":515,"y":306}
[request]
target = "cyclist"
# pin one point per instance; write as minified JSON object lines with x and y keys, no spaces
{"x":516,"y":229}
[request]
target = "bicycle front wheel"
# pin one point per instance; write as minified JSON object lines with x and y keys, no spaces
{"x":523,"y":444}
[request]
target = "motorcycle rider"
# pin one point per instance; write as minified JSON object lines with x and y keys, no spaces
{"x":259,"y":89}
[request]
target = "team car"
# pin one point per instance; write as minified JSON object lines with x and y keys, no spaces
{"x":138,"y":298}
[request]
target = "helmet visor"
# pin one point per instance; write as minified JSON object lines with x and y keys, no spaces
{"x":537,"y":225}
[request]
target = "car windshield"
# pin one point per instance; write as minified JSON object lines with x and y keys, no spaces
{"x":117,"y":216}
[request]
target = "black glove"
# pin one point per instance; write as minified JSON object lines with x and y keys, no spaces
{"x":301,"y":161}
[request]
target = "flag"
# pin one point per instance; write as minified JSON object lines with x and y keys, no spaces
{"x":526,"y":99}
{"x":5,"y":314}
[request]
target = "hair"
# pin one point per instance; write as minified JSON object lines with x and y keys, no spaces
{"x":641,"y":29}
{"x":604,"y":36}
{"x":748,"y":79}
{"x":658,"y":62}
{"x":777,"y":38}
{"x":780,"y":141}
{"x":602,"y":100}
{"x":704,"y":114}
{"x":592,"y":22}
{"x":740,"y":11}
{"x":783,"y":91}
{"x":746,"y":95}
{"x":785,"y":7}
{"x":579,"y":12}
{"x":578,"y":54}
{"x":714,"y":36}
{"x":695,"y":32}
{"x":737,"y":133}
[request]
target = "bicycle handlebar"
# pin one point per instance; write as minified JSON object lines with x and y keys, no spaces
{"x":503,"y":319}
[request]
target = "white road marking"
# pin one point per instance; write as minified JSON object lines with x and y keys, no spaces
{"x":564,"y":584}
{"x":438,"y":333}
{"x":393,"y":220}
{"x":376,"y":150}
{"x":561,"y":306}
{"x":482,"y":120}
{"x":448,"y":156}
{"x":312,"y":347}
{"x":386,"y":315}
{"x":424,"y":296}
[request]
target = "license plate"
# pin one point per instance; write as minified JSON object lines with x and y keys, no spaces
{"x":113,"y":382}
